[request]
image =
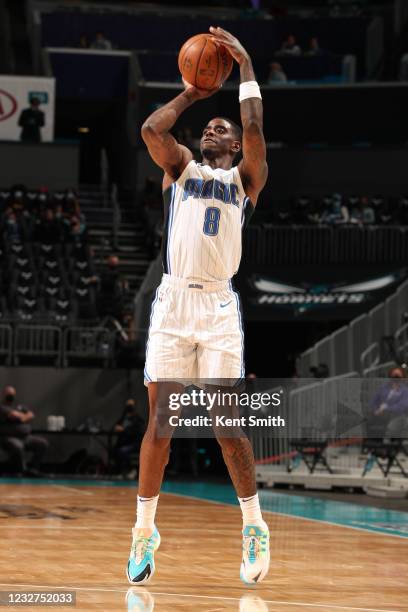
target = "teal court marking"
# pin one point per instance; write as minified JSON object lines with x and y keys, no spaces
{"x":366,"y":518}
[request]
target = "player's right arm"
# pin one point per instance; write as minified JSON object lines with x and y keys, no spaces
{"x":164,"y":149}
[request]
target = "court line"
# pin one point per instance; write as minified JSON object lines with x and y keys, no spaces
{"x":302,"y":518}
{"x":212,"y":597}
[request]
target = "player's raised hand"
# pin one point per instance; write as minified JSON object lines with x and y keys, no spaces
{"x":199,"y":94}
{"x":231,"y":43}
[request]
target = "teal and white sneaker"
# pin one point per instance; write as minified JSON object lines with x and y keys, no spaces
{"x":140,"y":567}
{"x":255,"y":554}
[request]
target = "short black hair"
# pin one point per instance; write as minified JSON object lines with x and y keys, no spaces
{"x":236,"y":129}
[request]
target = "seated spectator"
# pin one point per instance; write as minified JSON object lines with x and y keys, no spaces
{"x":13,"y":227}
{"x":101,"y":43}
{"x":290,"y":47}
{"x":276,"y":74}
{"x":314,"y":47}
{"x":389,"y":407}
{"x":363,"y":213}
{"x":336,"y":212}
{"x":75,"y":230}
{"x":83,"y":42}
{"x":16,"y":436}
{"x":131,"y":427}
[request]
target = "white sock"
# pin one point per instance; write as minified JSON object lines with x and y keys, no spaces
{"x":251,"y":511}
{"x":146,"y":511}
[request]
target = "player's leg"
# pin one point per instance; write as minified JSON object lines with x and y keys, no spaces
{"x":154,"y":456}
{"x":220,"y":356}
{"x":239,"y":459}
{"x":169,"y":356}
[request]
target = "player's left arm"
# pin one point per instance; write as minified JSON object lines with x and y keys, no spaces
{"x":253,"y":167}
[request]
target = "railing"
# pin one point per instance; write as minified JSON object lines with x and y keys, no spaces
{"x":347,"y":348}
{"x":6,"y":343}
{"x":380,"y":370}
{"x":84,"y":343}
{"x":370,"y":357}
{"x":274,"y":244}
{"x":308,"y":408}
{"x":39,"y":341}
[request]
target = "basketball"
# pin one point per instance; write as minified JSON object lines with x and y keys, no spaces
{"x":204,"y":63}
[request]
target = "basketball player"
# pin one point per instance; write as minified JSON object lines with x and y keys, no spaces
{"x":196,"y":325}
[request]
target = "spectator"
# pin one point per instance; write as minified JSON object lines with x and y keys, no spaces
{"x":16,"y":436}
{"x":363,"y":213}
{"x":101,"y":43}
{"x":31,"y":120}
{"x":76,"y":230}
{"x":290,"y":47}
{"x":276,"y":74}
{"x":314,"y":47}
{"x":112,"y":288}
{"x":336,"y":212}
{"x":83,"y":42}
{"x":130,"y":427}
{"x":389,"y":407}
{"x":13,"y":229}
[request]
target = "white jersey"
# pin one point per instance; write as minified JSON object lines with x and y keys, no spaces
{"x":205,"y":212}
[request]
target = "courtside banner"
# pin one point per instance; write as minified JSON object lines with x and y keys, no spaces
{"x":315,"y":292}
{"x":16,"y":93}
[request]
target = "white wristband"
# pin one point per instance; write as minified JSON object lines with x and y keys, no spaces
{"x":250,"y":89}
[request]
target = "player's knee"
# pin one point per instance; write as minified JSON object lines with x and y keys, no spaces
{"x":155,"y":437}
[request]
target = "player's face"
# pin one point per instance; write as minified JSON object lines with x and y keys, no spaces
{"x":218,"y":139}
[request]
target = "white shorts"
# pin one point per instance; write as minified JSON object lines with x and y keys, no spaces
{"x":195,"y":332}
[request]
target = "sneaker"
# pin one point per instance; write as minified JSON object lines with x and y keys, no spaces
{"x":255,"y":555}
{"x":140,"y":567}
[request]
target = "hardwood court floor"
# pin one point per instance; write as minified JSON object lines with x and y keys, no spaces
{"x":78,"y":537}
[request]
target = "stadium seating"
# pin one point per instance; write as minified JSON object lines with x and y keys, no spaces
{"x":51,"y":260}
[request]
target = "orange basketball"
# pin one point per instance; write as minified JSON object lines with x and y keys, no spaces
{"x":204,"y":63}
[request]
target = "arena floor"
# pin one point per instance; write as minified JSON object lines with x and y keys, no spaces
{"x":326,"y":556}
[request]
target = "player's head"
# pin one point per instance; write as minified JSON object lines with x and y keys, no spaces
{"x":221,"y":137}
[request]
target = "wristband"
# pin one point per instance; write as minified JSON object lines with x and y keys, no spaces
{"x":250,"y":89}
